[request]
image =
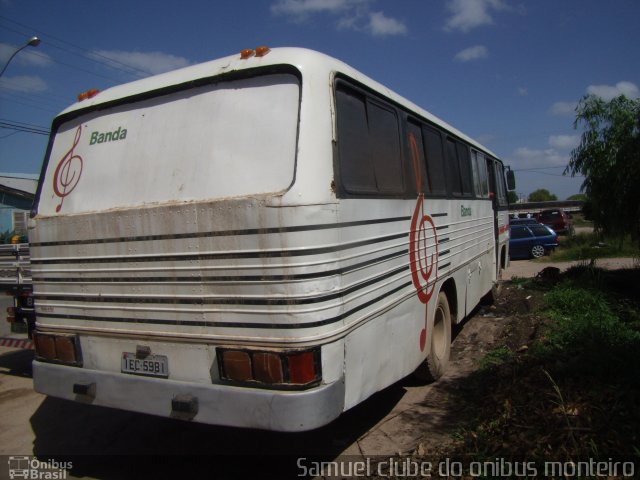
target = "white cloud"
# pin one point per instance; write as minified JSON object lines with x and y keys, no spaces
{"x":609,"y":92}
{"x":526,"y":157}
{"x":381,"y":25}
{"x":472,"y":53}
{"x":469,"y":14}
{"x":351,"y":14}
{"x":24,"y":84}
{"x":564,"y":142}
{"x":606,"y":92}
{"x":303,"y":8}
{"x":563,"y":108}
{"x":27,"y":57}
{"x":147,"y":62}
{"x":523,"y":91}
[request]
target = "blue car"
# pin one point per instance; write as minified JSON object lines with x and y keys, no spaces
{"x":532,"y":240}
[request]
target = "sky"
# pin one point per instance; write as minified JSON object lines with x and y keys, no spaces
{"x":508,"y":73}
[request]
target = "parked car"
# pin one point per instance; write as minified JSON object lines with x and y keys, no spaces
{"x":530,"y":240}
{"x":523,"y":221}
{"x":557,"y":219}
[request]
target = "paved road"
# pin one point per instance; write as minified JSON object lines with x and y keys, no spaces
{"x":528,"y":268}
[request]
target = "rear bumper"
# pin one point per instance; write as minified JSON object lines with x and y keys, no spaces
{"x":216,"y":404}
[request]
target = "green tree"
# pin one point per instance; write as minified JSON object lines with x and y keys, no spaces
{"x":542,"y":195}
{"x":609,"y":158}
{"x":578,"y":196}
{"x":512,"y":196}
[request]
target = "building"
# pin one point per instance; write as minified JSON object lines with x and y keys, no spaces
{"x":17,"y":192}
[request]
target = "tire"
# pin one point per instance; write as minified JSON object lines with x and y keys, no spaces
{"x":434,"y":366}
{"x":537,"y":251}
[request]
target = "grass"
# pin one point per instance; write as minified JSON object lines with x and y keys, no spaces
{"x":588,"y":246}
{"x":574,"y":393}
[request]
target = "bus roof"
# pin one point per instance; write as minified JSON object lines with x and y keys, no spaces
{"x":304,"y":60}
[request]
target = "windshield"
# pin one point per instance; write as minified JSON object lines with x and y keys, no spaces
{"x":221,"y":140}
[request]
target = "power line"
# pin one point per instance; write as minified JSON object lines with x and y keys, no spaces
{"x":19,"y":127}
{"x":86,"y":53}
{"x":538,"y":168}
{"x":37,"y":107}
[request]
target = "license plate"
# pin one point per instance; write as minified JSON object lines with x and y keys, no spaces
{"x":152,"y":365}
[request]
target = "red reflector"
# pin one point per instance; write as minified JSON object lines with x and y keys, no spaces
{"x":302,"y":368}
{"x":237,"y":365}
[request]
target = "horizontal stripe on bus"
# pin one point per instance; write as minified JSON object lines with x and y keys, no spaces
{"x":226,"y":278}
{"x":222,"y":300}
{"x":301,"y":252}
{"x":223,"y":233}
{"x":205,"y":323}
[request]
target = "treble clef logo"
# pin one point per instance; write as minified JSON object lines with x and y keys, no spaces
{"x":68,"y":171}
{"x":422,"y":226}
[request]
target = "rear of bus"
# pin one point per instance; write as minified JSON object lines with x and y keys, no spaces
{"x":171,"y":274}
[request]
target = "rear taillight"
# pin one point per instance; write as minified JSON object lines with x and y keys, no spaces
{"x":278,"y":369}
{"x":57,"y":348}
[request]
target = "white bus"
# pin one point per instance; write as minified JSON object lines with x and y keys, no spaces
{"x":263,"y":240}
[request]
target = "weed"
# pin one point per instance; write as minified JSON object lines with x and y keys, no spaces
{"x":496,"y":357}
{"x":590,"y":246}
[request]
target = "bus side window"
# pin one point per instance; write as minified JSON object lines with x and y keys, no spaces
{"x":501,"y":190}
{"x":436,"y":173}
{"x":480,"y":180}
{"x":492,"y":180}
{"x":465,"y":169}
{"x":453,"y":168}
{"x":384,"y":140}
{"x":484,"y":177}
{"x":368,"y":145}
{"x":418,"y":165}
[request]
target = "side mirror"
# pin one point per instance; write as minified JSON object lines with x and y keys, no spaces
{"x":511,"y":180}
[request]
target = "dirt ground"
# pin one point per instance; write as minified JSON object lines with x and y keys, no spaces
{"x":406,"y":417}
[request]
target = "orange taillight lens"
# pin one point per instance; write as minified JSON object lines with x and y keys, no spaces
{"x":267,"y":368}
{"x":237,"y":365}
{"x":66,"y":349}
{"x":273,"y":368}
{"x":57,"y":348}
{"x":45,"y":346}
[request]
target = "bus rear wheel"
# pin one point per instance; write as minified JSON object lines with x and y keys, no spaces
{"x":434,"y":366}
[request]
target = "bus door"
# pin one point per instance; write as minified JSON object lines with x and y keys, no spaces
{"x":494,"y":206}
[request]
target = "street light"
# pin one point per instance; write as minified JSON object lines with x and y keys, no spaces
{"x":32,"y":42}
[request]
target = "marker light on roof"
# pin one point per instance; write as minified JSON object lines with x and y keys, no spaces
{"x":262,"y":51}
{"x":88,"y":94}
{"x":247,"y":53}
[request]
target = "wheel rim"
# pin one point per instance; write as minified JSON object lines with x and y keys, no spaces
{"x":439,"y":346}
{"x":537,"y":251}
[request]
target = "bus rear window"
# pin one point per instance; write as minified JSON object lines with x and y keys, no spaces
{"x":220,"y":140}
